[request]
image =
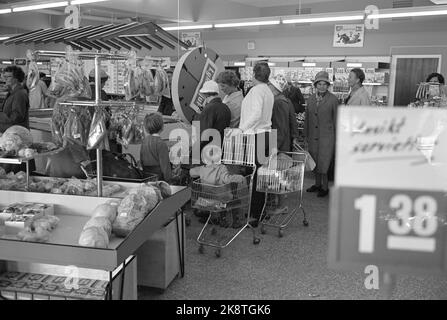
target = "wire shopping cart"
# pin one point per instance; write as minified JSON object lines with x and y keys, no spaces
{"x":282,"y":180}
{"x":229,"y":204}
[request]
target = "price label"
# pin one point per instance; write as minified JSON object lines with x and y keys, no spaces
{"x":396,"y":229}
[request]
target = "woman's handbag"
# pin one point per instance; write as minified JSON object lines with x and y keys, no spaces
{"x":115,"y":165}
{"x":310,"y":162}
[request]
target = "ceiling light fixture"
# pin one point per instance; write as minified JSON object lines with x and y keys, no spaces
{"x":247,"y":24}
{"x":239,"y":64}
{"x":6,"y":62}
{"x":76,"y":2}
{"x":309,"y":64}
{"x":41,"y":6}
{"x":408,"y":14}
{"x":4,"y":38}
{"x":4,"y":11}
{"x":203,"y":26}
{"x":324,"y":19}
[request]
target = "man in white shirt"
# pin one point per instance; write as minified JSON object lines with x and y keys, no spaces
{"x":257,"y":106}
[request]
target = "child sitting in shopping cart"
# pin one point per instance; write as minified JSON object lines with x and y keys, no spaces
{"x":217,"y":184}
{"x":154,"y":152}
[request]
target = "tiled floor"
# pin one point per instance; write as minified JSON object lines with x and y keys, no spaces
{"x":292,"y":267}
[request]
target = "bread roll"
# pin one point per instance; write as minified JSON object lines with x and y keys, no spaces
{"x":101,"y":223}
{"x":94,"y":237}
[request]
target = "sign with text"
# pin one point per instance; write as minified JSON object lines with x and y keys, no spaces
{"x":349,"y":36}
{"x":209,"y":73}
{"x":388,"y":206}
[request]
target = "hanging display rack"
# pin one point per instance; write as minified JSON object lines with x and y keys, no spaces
{"x":131,"y":36}
{"x":97,"y":57}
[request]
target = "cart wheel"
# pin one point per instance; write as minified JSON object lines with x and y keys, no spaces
{"x":263,"y":231}
{"x":213,"y":231}
{"x":218,"y":253}
{"x":305,"y":223}
{"x":280,"y":233}
{"x":256,"y":241}
{"x":201,"y":249}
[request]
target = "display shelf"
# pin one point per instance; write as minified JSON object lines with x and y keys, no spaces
{"x":62,"y":248}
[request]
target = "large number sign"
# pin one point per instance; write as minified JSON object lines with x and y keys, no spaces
{"x":388,"y":206}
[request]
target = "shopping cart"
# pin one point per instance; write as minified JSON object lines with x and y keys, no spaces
{"x":282,"y":180}
{"x":228,"y":205}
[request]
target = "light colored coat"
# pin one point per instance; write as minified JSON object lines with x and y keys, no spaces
{"x":360,"y":98}
{"x":234,"y":102}
{"x":319,"y":129}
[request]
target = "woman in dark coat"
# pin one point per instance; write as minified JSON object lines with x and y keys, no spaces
{"x":319,"y":130}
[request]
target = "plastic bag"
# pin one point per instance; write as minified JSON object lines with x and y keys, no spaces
{"x":98,"y":130}
{"x":33,"y":71}
{"x":147,"y":83}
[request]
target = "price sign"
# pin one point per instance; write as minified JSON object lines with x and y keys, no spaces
{"x":20,"y":62}
{"x":388,"y":205}
{"x":400,"y":230}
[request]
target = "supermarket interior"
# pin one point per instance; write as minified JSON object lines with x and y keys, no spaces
{"x":223,"y":150}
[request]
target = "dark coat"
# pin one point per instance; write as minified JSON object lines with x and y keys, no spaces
{"x":166,"y":107}
{"x":284,"y":121}
{"x":215,"y":115}
{"x":15,"y":110}
{"x":319,"y":129}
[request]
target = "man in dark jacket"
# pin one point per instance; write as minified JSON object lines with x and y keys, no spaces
{"x":215,"y":115}
{"x":283,"y":118}
{"x":15,"y":109}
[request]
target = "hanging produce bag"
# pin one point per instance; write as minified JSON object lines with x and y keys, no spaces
{"x":33,"y":71}
{"x":98,"y":132}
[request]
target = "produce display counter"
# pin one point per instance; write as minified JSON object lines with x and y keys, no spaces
{"x":63,"y":250}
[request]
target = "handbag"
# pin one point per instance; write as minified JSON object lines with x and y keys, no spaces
{"x":310,"y":162}
{"x":116,"y":165}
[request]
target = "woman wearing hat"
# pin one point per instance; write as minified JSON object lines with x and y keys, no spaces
{"x":283,"y":116}
{"x":215,"y":115}
{"x":319,"y":130}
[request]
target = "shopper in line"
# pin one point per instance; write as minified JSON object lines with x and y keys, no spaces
{"x":15,"y":109}
{"x":436,"y":78}
{"x":358,"y":96}
{"x":166,"y":106}
{"x":319,"y":130}
{"x":215,"y":115}
{"x":228,"y":85}
{"x":154,"y":152}
{"x":283,"y":116}
{"x":294,"y":94}
{"x":256,"y":118}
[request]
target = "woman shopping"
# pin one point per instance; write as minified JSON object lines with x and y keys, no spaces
{"x":319,"y":130}
{"x":358,"y":96}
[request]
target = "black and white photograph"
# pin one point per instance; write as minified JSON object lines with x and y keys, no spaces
{"x":223,"y":158}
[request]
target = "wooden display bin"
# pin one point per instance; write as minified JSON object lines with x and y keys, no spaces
{"x":158,"y":258}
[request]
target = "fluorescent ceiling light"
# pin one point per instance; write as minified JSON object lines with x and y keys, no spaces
{"x":4,"y":38}
{"x":6,"y":62}
{"x":324,"y":19}
{"x":354,"y":65}
{"x":3,"y":11}
{"x":203,"y":26}
{"x":41,"y":6}
{"x":309,"y":64}
{"x":239,"y":64}
{"x":247,"y":24}
{"x":439,"y":1}
{"x":408,"y":14}
{"x":76,"y":2}
{"x":271,"y":64}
